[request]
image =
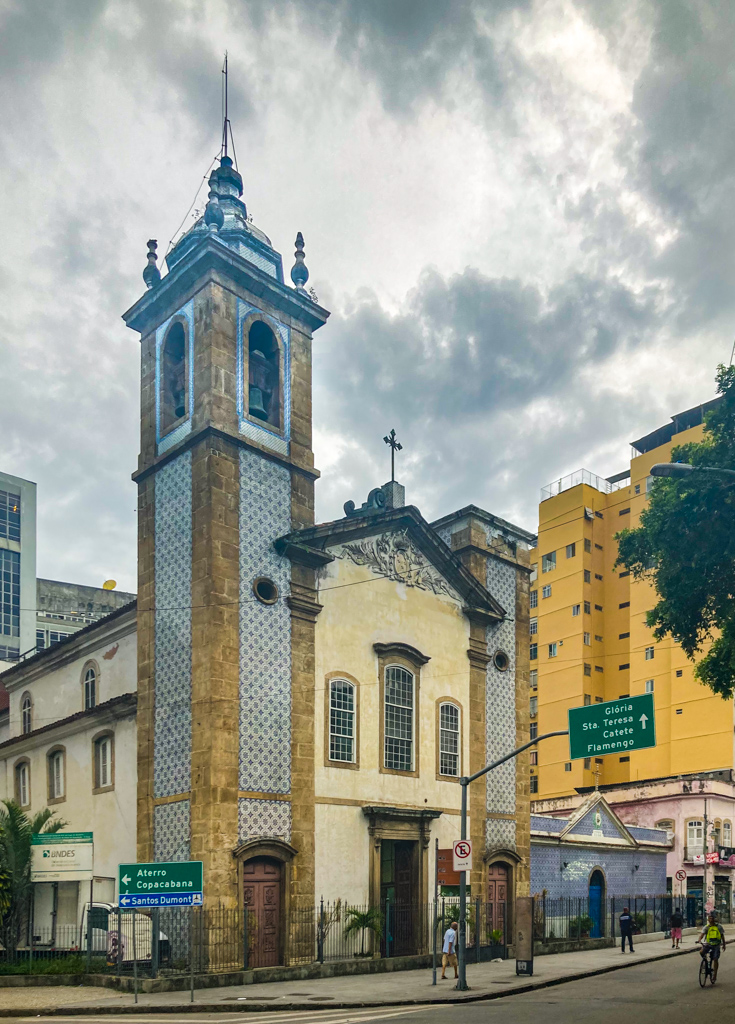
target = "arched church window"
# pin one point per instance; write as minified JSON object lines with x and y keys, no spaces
{"x":174,"y":398}
{"x":263,"y":374}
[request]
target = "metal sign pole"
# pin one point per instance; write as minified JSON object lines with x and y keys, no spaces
{"x":464,"y":783}
{"x":135,"y":959}
{"x":191,"y":954}
{"x":436,"y":896}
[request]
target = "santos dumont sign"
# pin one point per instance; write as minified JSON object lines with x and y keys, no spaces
{"x":62,"y":857}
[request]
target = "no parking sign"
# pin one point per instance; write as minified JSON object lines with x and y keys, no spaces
{"x":462,"y":855}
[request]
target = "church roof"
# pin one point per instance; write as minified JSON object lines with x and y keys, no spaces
{"x":310,"y":546}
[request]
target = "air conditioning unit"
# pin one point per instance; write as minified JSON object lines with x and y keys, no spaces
{"x":588,"y":513}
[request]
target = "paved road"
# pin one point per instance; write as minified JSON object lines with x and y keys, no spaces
{"x":666,"y":991}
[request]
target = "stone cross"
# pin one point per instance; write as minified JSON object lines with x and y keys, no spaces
{"x":395,"y":446}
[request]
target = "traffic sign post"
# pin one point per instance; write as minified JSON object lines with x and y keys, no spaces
{"x":177,"y":884}
{"x":613,"y":727}
{"x":462,"y":855}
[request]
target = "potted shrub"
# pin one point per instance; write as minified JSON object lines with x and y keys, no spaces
{"x":370,"y":920}
{"x":580,"y":927}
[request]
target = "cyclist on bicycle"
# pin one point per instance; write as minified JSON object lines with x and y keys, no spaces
{"x":712,"y":938}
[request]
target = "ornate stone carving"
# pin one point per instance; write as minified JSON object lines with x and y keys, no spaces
{"x":394,"y":556}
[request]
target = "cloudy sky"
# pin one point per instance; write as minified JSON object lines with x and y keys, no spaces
{"x":520,"y":213}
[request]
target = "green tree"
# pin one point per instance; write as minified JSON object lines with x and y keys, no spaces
{"x":685,"y":546}
{"x":16,"y":829}
{"x":370,"y":920}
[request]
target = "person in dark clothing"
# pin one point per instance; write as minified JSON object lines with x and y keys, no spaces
{"x":677,"y":923}
{"x":626,"y":929}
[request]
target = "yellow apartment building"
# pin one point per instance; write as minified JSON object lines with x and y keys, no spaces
{"x":589,"y":639}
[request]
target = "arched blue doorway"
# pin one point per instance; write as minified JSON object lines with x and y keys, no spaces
{"x":596,"y":902}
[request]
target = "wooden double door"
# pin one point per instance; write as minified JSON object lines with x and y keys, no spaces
{"x":497,"y":900}
{"x":262,"y":882}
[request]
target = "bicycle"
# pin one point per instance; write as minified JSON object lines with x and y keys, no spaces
{"x":705,"y":968}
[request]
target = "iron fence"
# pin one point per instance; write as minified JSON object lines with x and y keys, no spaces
{"x":217,"y":939}
{"x":572,"y":918}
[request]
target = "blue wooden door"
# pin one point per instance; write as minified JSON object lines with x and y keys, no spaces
{"x":597,"y":886}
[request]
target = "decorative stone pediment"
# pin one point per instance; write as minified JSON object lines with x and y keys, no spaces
{"x":396,"y":557}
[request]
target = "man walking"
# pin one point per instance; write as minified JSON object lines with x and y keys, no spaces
{"x":626,"y":929}
{"x":449,"y":950}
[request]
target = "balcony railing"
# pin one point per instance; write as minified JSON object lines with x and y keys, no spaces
{"x":692,"y":850}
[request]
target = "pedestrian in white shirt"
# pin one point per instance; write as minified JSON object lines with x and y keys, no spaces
{"x":449,"y":950}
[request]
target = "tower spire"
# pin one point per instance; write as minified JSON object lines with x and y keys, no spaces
{"x":225,"y":117}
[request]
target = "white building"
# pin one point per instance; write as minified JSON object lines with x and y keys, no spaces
{"x":71,"y":723}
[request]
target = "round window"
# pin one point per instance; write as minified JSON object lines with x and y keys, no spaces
{"x":501,"y":661}
{"x":265,"y":590}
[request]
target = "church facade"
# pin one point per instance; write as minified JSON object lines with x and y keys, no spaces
{"x":306,"y":696}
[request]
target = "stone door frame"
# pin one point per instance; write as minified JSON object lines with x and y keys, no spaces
{"x":284,"y":853}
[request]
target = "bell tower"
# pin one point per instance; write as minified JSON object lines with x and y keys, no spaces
{"x":225,"y":623}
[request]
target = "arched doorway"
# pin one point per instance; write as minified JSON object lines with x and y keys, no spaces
{"x":498,"y":881}
{"x":262,"y":878}
{"x":596,"y":904}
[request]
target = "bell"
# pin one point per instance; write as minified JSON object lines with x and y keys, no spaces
{"x":257,"y":405}
{"x":179,"y":403}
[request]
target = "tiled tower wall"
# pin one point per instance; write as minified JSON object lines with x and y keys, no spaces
{"x":172,"y":723}
{"x":265,"y":651}
{"x":501,"y":708}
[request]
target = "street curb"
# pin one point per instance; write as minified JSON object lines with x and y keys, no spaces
{"x":159,"y":1008}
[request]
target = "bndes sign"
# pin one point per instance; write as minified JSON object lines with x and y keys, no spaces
{"x":62,"y":857}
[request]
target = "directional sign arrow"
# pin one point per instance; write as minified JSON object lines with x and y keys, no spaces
{"x":124,"y":900}
{"x":643,"y":719}
{"x":125,"y":878}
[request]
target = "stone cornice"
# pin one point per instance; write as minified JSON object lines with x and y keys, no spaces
{"x":302,"y":554}
{"x":112,"y":710}
{"x":404,"y":650}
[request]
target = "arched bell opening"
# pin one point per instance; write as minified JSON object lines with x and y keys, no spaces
{"x":264,"y":375}
{"x":174,"y":396}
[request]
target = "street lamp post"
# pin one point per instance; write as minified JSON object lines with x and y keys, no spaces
{"x":680,"y":469}
{"x":464,"y":783}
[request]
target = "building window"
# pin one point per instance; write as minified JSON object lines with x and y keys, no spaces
{"x":576,"y":609}
{"x":534,"y":599}
{"x":26,"y":714}
{"x":534,"y":572}
{"x":621,"y":668}
{"x":533,"y":627}
{"x":624,"y":512}
{"x":548,"y":562}
{"x":174,"y":396}
{"x":598,"y":547}
{"x":598,"y":668}
{"x":599,"y":515}
{"x":598,"y":638}
{"x":56,"y":775}
{"x":599,"y":760}
{"x":587,"y":639}
{"x":588,"y":762}
{"x":23,"y":783}
{"x":552,"y":650}
{"x":679,"y":673}
{"x":649,"y":653}
{"x":622,"y":759}
{"x":716,"y":832}
{"x":598,"y":700}
{"x":637,"y":488}
{"x":449,"y":740}
{"x":534,"y":757}
{"x":534,"y":706}
{"x":103,"y":753}
{"x":587,"y":699}
{"x":587,"y":545}
{"x":598,"y":576}
{"x":546,"y":591}
{"x":533,"y":653}
{"x":623,"y":636}
{"x":587,"y":671}
{"x":587,"y":608}
{"x":533,"y":731}
{"x":650,"y":480}
{"x":534,"y":783}
{"x":649,"y":685}
{"x":40,"y":639}
{"x":727,"y":834}
{"x":598,"y":607}
{"x":341,"y":721}
{"x":571,"y":550}
{"x":695,"y":838}
{"x":89,"y":682}
{"x":399,"y":719}
{"x":587,"y":576}
{"x":9,"y":592}
{"x":9,"y":515}
{"x":622,"y":575}
{"x":533,"y":676}
{"x":568,"y":766}
{"x":264,"y":374}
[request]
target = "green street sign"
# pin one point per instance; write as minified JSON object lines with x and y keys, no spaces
{"x":613,"y":727}
{"x":153,"y":881}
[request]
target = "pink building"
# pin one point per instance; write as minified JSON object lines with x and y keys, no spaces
{"x":698,"y":811}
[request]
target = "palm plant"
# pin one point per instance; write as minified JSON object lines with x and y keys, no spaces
{"x":370,"y":920}
{"x":16,"y":829}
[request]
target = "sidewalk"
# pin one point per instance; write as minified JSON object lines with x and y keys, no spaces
{"x":487,"y":981}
